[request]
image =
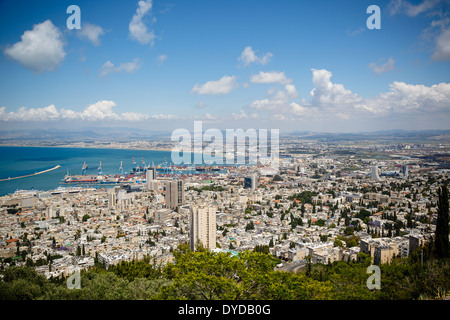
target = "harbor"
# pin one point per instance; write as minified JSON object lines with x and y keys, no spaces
{"x":138,"y":173}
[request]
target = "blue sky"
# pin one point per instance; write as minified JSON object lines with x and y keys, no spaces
{"x":291,"y":65}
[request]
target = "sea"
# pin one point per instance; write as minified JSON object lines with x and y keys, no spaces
{"x":22,"y":161}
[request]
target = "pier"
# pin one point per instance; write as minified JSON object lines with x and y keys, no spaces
{"x":33,"y":174}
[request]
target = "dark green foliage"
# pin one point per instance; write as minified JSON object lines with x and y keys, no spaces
{"x":441,"y":238}
{"x":23,"y":283}
{"x":304,"y":196}
{"x":248,"y":276}
{"x":262,"y":248}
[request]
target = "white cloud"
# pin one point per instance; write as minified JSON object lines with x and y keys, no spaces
{"x":242,"y":115}
{"x":161,"y":59}
{"x":386,"y":67}
{"x":31,"y":114}
{"x":278,"y":100}
{"x":356,"y":31}
{"x":164,"y":117}
{"x":438,"y":31}
{"x":108,"y":67}
{"x":91,"y":32}
{"x":99,"y":111}
{"x":297,"y":109}
{"x":403,"y":6}
{"x":40,"y":49}
{"x":133,"y":116}
{"x":137,"y":29}
{"x":223,"y":86}
{"x":249,"y":56}
{"x":331,"y":95}
{"x":404,"y":98}
{"x":330,"y":101}
{"x":270,"y":77}
{"x":442,"y":49}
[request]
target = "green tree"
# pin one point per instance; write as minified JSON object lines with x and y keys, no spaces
{"x":251,"y":276}
{"x":249,"y":226}
{"x":442,"y":229}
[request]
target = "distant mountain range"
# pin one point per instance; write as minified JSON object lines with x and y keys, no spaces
{"x":399,"y":134}
{"x":121,"y":134}
{"x":83,"y":135}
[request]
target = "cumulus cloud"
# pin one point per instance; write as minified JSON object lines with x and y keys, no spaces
{"x":108,"y":67}
{"x":278,"y":100}
{"x":249,"y":56}
{"x":223,"y":86}
{"x":386,"y":67}
{"x":91,"y":32}
{"x":270,"y":77}
{"x":298,"y":110}
{"x":412,"y":99}
{"x":31,"y":114}
{"x":442,"y":49}
{"x":99,"y":111}
{"x":329,"y":100}
{"x":327,"y":94}
{"x":137,"y":29}
{"x":40,"y":49}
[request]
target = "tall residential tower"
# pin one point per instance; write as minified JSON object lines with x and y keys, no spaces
{"x":174,"y":194}
{"x":203,"y":226}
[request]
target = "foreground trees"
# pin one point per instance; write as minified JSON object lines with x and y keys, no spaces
{"x":205,"y":275}
{"x":441,"y":236}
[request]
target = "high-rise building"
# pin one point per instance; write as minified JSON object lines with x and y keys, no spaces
{"x":153,"y":171}
{"x":203,"y":226}
{"x":174,"y":194}
{"x":150,"y":175}
{"x":405,"y":170}
{"x":112,"y":199}
{"x":374,"y":174}
{"x":250,"y":182}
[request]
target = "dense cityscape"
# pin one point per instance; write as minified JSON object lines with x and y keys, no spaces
{"x":225,"y":158}
{"x":326,"y":203}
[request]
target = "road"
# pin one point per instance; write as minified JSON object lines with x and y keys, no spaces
{"x":292,"y":266}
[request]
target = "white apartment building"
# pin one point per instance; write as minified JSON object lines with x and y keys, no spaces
{"x":203,"y":226}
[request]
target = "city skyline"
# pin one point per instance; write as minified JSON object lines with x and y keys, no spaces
{"x":296,"y":66}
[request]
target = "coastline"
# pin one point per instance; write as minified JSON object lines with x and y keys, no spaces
{"x":84,"y":147}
